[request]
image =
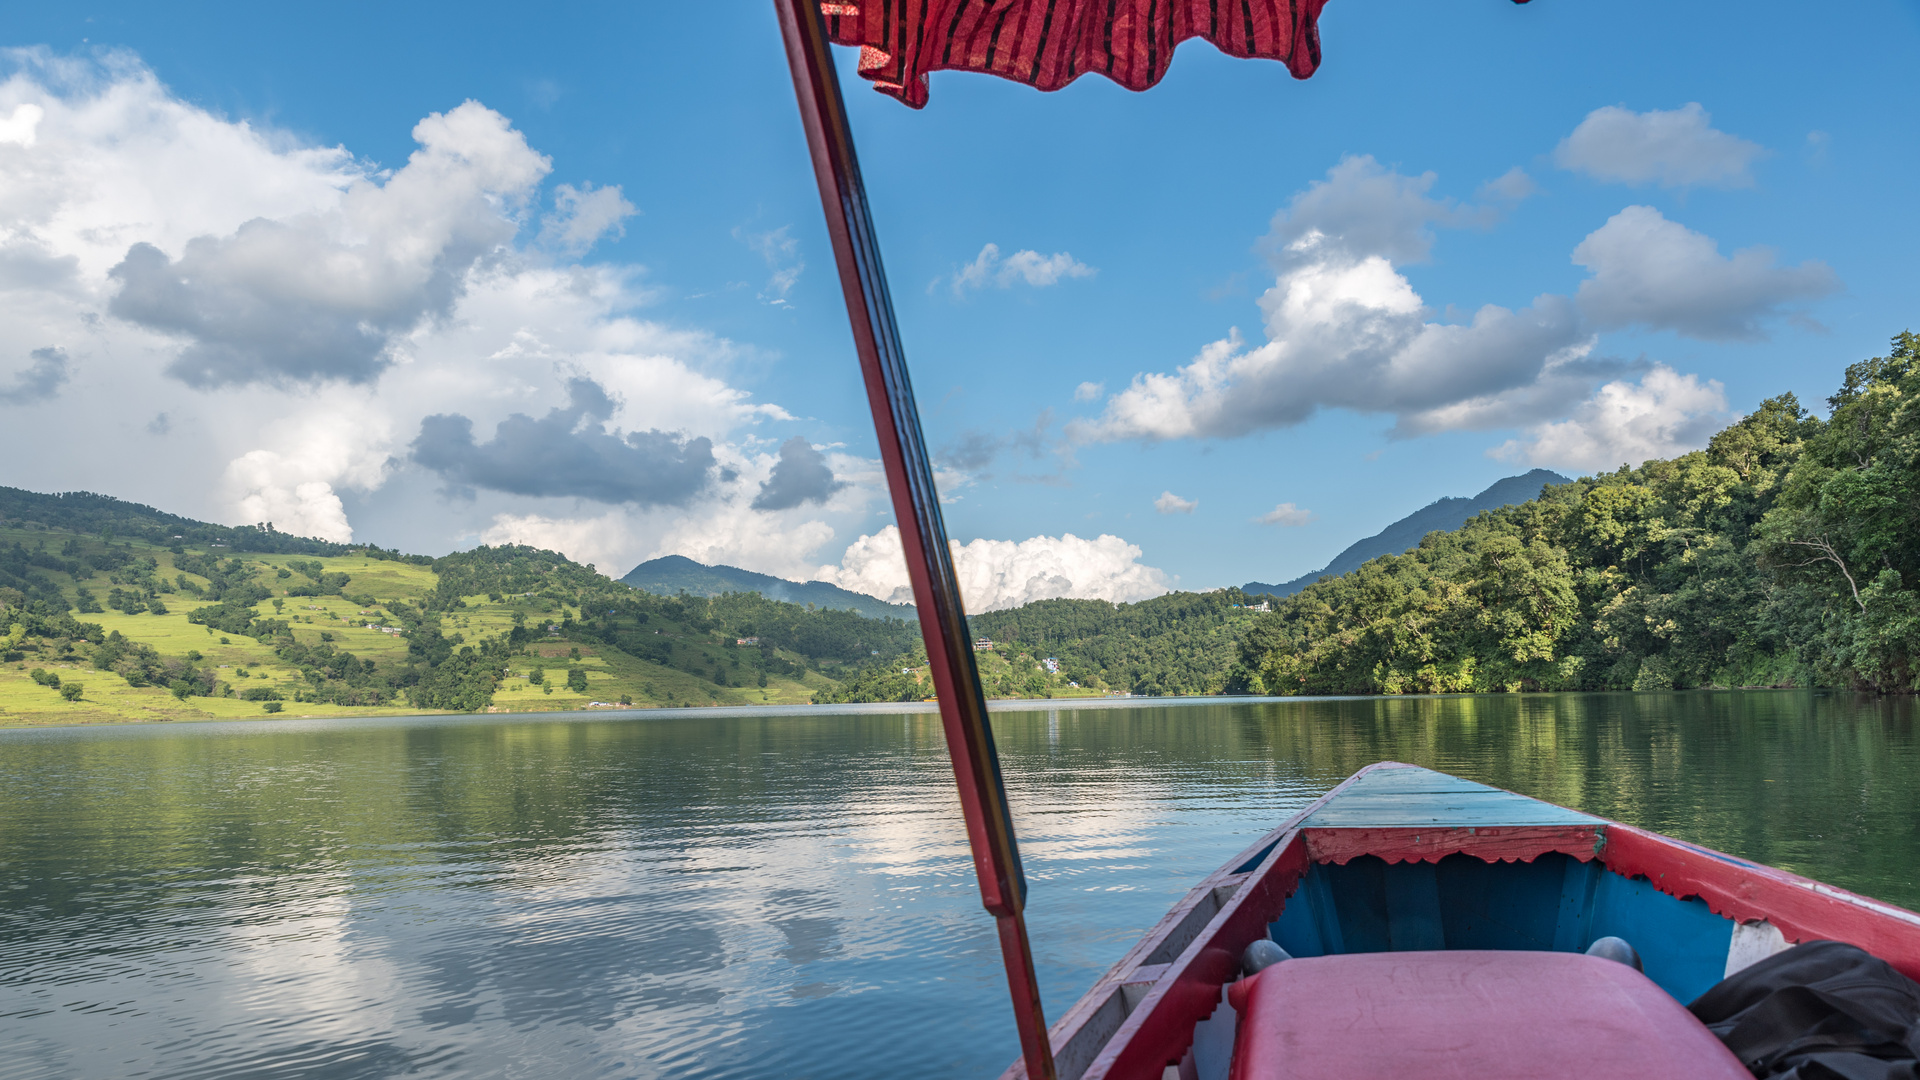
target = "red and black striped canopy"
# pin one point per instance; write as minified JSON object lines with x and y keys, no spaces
{"x":1050,"y":43}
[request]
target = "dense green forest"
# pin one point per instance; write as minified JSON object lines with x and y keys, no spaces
{"x":1785,"y":553}
{"x":1177,"y":644}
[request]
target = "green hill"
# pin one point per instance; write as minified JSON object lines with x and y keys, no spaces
{"x":83,"y":512}
{"x":1441,"y":515}
{"x":152,"y":616}
{"x":1178,"y":644}
{"x":675,"y":574}
{"x":159,"y":617}
{"x":1786,"y":553}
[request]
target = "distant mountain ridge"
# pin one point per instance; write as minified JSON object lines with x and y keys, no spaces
{"x":1443,"y":515}
{"x":674,"y":574}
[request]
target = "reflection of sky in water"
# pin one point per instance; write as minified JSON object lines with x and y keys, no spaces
{"x":749,"y":896}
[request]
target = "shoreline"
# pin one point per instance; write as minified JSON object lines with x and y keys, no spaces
{"x":627,"y":712}
{"x":874,"y":708}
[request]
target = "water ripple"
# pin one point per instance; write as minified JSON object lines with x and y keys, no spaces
{"x":756,"y":895}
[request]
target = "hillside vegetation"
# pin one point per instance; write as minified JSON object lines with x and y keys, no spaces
{"x":1441,"y":515}
{"x":1786,"y":553}
{"x":1177,"y":644}
{"x":108,"y":627}
{"x":672,"y":575}
{"x":111,"y":610}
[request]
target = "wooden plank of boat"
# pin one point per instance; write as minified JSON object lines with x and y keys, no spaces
{"x":1399,"y":859}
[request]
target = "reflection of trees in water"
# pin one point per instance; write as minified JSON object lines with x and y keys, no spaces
{"x":635,"y":879}
{"x":1822,"y":784}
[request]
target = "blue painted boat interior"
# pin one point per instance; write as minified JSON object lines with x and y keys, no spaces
{"x":1555,"y":902}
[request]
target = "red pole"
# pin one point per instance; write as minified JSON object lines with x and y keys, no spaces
{"x":916,"y":506}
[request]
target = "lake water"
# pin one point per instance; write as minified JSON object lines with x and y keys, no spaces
{"x":760,"y":895}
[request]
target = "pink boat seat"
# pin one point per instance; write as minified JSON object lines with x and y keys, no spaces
{"x":1470,"y":1014}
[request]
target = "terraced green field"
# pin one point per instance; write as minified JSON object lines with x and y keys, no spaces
{"x":111,"y":611}
{"x":345,"y":622}
{"x":109,"y":698}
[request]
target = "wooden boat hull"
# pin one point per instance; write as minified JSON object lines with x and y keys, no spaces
{"x":1401,"y":858}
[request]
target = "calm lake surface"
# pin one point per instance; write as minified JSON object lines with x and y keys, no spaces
{"x":760,"y":895}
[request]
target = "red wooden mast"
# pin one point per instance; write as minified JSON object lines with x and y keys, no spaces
{"x":916,"y":506}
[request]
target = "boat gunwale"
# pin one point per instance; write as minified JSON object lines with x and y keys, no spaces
{"x":1801,"y":908}
{"x":1110,"y":988}
{"x":1144,"y":993}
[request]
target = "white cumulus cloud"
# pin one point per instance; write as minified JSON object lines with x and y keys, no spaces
{"x":1286,"y":515}
{"x":604,"y":542}
{"x":784,"y":541}
{"x":1344,"y":328}
{"x":1169,"y":503}
{"x":1655,"y":272}
{"x":1672,"y":148}
{"x":721,"y":527}
{"x":1664,"y":414}
{"x":1512,"y":186}
{"x":337,"y":440}
{"x":21,"y":124}
{"x":581,"y":216}
{"x":989,"y":268}
{"x":997,"y":574}
{"x":325,"y":295}
{"x":268,"y":324}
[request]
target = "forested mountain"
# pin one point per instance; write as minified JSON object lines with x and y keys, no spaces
{"x":1441,"y":515}
{"x":104,"y":515}
{"x":1785,"y":553}
{"x":114,"y":611}
{"x":1180,"y":643}
{"x":1788,"y":551}
{"x":97,"y":628}
{"x":675,"y":574}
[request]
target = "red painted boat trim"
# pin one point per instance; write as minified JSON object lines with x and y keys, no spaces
{"x":1800,"y":908}
{"x":1499,"y":843}
{"x":1213,"y":960}
{"x":1171,"y":979}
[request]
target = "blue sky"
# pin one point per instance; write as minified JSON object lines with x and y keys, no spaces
{"x":663,"y":361}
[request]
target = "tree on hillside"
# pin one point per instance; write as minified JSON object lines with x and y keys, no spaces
{"x":1786,"y":551}
{"x":1842,"y":537}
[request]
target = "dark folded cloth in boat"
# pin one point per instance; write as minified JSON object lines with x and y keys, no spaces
{"x":1823,"y":1010}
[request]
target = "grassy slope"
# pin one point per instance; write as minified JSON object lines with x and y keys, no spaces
{"x":108,"y":698}
{"x":245,"y":663}
{"x":611,"y":673}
